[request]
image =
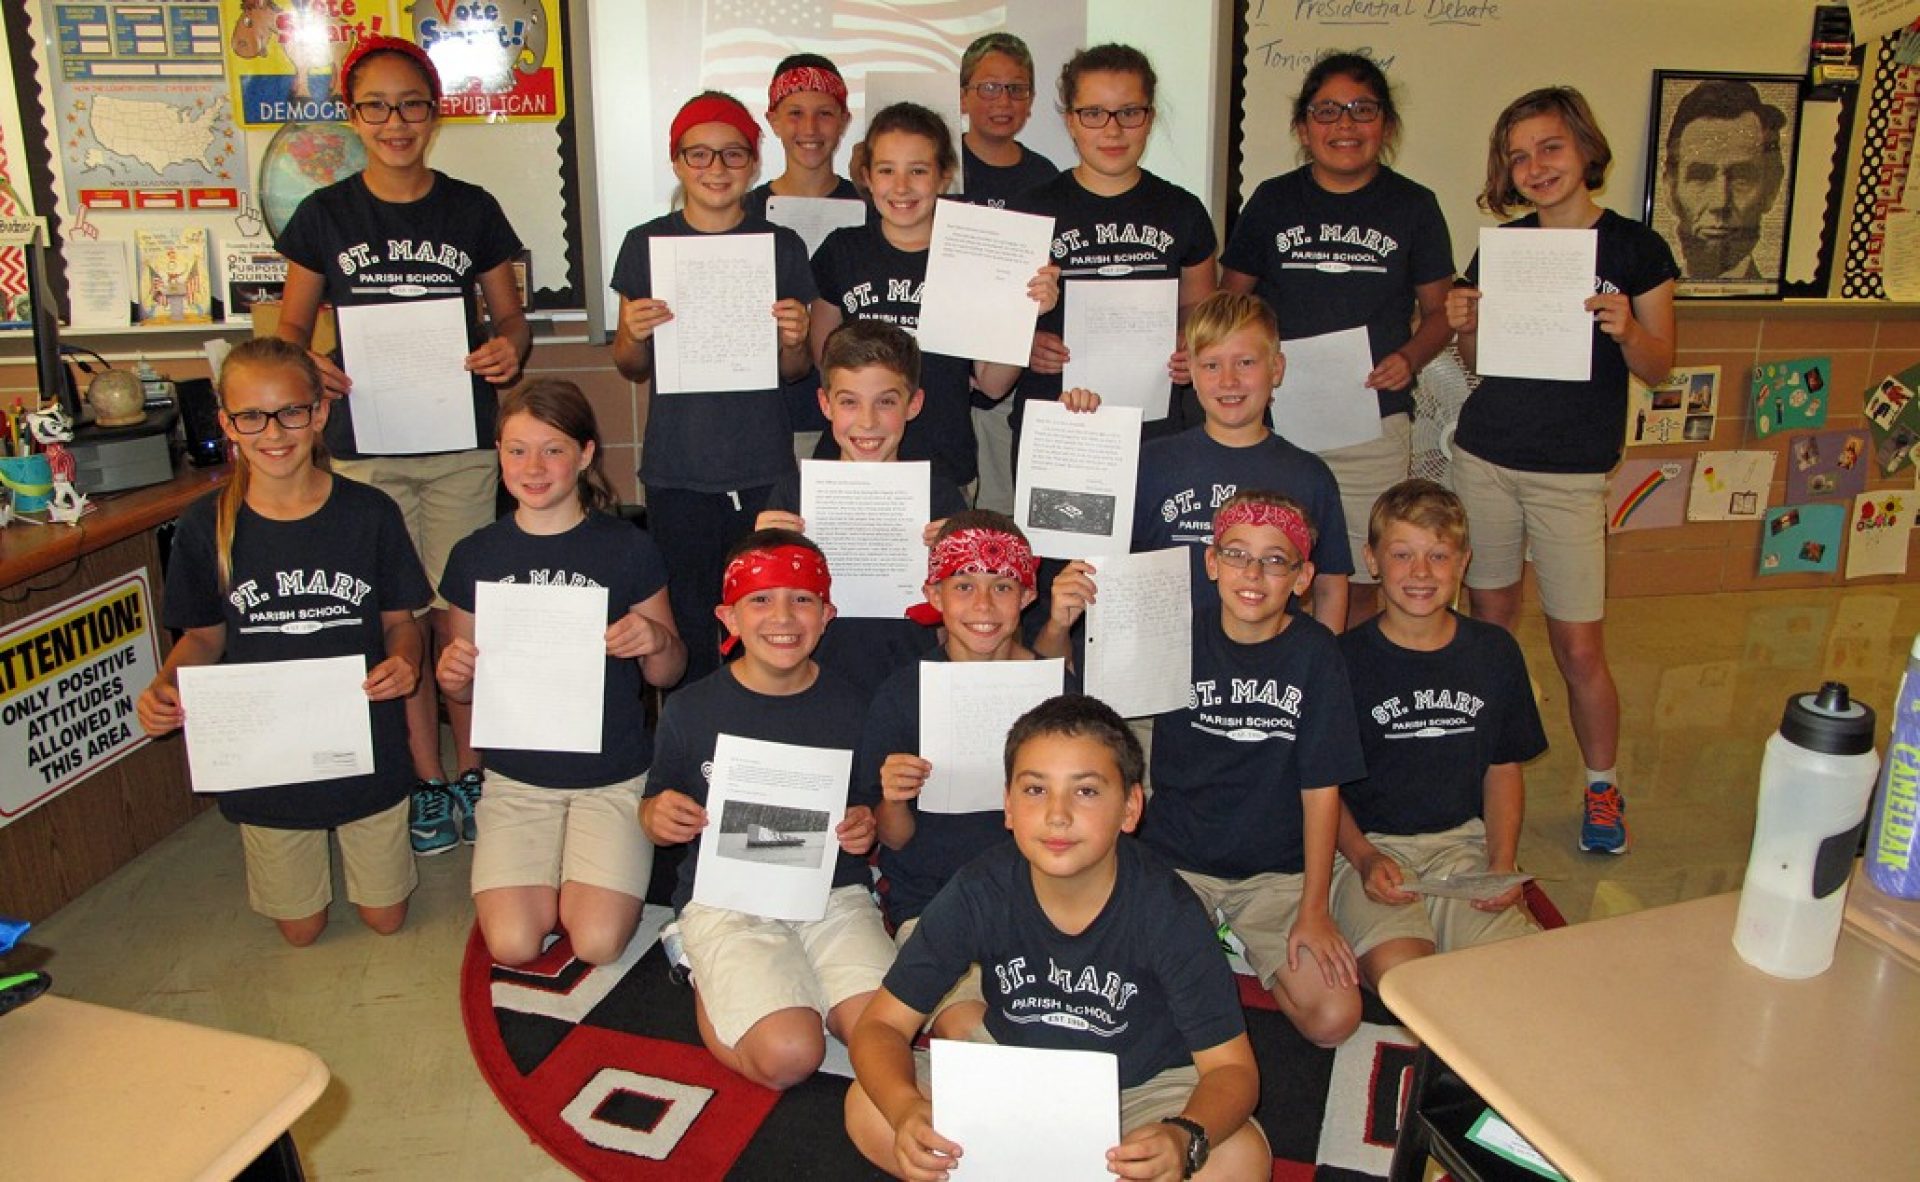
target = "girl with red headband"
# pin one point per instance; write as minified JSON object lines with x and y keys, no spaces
{"x":400,"y":230}
{"x":708,"y":461}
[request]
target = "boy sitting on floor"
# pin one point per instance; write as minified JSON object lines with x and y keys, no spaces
{"x":1071,"y":897}
{"x":1447,"y":716}
{"x":763,"y":986}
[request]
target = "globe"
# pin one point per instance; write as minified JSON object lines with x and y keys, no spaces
{"x":303,"y":157}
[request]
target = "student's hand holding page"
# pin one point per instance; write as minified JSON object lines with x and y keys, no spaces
{"x":1180,"y":368}
{"x":856,"y":831}
{"x":929,"y":534}
{"x":1080,"y":401}
{"x":672,"y":818}
{"x":1073,"y":593}
{"x":334,"y":382}
{"x":634,"y":635}
{"x":922,"y":1154}
{"x":1393,"y":373}
{"x":1049,"y":354}
{"x":455,"y":669}
{"x":497,"y":361}
{"x":1317,"y":934}
{"x":158,"y":708}
{"x":1463,"y":310}
{"x":1505,"y":899}
{"x":1381,"y":876}
{"x":1044,"y":288}
{"x":640,"y":317}
{"x":902,"y":776}
{"x":1156,"y":1151}
{"x":1613,"y":312}
{"x":392,"y":678}
{"x":778,"y":519}
{"x":791,"y":317}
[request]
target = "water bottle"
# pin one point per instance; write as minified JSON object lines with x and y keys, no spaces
{"x":1814,"y":784}
{"x":1893,"y":845}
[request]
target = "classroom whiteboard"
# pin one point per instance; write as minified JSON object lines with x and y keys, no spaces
{"x":1455,"y":64}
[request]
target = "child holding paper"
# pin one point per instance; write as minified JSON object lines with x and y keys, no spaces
{"x":284,"y":544}
{"x":1388,"y":243}
{"x":1074,"y":923}
{"x":878,"y":272}
{"x":980,"y":575}
{"x":1113,"y":220}
{"x":381,"y":236}
{"x":1447,"y":717}
{"x":1246,"y":779}
{"x":557,"y":842}
{"x":708,"y":460}
{"x":762,"y":987}
{"x":1532,"y":455}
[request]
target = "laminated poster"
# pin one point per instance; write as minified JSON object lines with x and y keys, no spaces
{"x":1831,"y":465}
{"x":1678,"y":410}
{"x":1647,"y":494}
{"x":1790,"y":395}
{"x":1729,"y":485}
{"x":1802,"y":539}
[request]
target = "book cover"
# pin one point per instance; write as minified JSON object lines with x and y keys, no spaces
{"x":172,"y":281}
{"x":252,"y":274}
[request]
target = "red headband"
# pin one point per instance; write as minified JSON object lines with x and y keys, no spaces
{"x":1287,"y":521}
{"x":378,"y":44}
{"x":800,"y":568}
{"x":801,"y":79}
{"x":975,"y":551}
{"x":713,"y":108}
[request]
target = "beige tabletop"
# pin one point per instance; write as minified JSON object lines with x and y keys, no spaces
{"x":1643,"y":1047}
{"x":90,"y":1092}
{"x":1883,"y":918}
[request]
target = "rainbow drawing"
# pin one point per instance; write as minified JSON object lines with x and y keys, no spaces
{"x":1638,"y":497}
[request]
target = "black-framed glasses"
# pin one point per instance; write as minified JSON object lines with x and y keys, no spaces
{"x":733,"y":156}
{"x":1019,"y":92}
{"x":413,"y":110}
{"x":1360,"y":110}
{"x":1273,"y":566}
{"x":291,"y":418}
{"x":1097,"y":117}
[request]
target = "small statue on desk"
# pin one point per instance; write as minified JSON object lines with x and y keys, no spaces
{"x":53,"y":430}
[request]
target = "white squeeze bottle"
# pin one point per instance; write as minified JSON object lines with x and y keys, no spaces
{"x":1814,"y":784}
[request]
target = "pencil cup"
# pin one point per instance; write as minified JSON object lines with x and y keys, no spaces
{"x":29,"y":480}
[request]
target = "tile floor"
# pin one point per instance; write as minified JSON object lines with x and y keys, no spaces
{"x":1702,"y":678}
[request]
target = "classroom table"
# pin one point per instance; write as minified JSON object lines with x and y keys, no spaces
{"x":1644,"y":1047}
{"x":92,"y":1092}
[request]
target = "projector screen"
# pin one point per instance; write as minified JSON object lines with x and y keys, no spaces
{"x":644,"y":58}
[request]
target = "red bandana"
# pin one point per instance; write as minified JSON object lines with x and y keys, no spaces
{"x":801,"y":79}
{"x":379,"y":44}
{"x":1287,"y":521}
{"x":975,"y":552}
{"x":795,"y":567}
{"x":708,"y":108}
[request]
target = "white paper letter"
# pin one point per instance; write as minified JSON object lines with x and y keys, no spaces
{"x":276,"y":722}
{"x":1074,"y":495}
{"x":539,"y":680}
{"x":1140,"y":632}
{"x":769,"y":847}
{"x":721,"y":290}
{"x":868,"y":518}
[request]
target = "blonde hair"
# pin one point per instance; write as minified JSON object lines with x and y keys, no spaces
{"x":1423,"y":504}
{"x":259,"y":352}
{"x":1224,"y":313}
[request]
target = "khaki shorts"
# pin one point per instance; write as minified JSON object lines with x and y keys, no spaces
{"x":1366,"y":470}
{"x":993,"y":443}
{"x":967,"y":988}
{"x":1165,"y":1095}
{"x":1559,"y":519}
{"x":1447,"y":924}
{"x":1260,"y":909}
{"x":289,"y":874}
{"x":443,"y":498}
{"x":542,"y":837}
{"x":746,"y":967}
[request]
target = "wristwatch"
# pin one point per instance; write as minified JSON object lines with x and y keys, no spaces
{"x":1197,"y":1144}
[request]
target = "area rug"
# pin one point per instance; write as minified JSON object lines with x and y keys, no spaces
{"x":604,"y":1069}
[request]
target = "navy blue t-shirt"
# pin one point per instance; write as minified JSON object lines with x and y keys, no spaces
{"x":803,"y":407}
{"x":996,"y":184}
{"x":1329,"y":261}
{"x":601,"y":551}
{"x":730,"y":440}
{"x":1185,"y":477}
{"x":826,"y":714}
{"x":1263,"y":723}
{"x":1144,"y":982}
{"x":301,"y":590}
{"x":1433,"y":722}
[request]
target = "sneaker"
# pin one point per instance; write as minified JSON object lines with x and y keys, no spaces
{"x":1605,"y":829}
{"x":466,"y":799}
{"x":430,"y":822}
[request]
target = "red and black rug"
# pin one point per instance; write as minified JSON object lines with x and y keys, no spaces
{"x":603,"y":1067}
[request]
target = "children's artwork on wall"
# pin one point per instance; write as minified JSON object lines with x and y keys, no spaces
{"x":1680,"y":409}
{"x":1790,"y":395}
{"x":1878,"y":537}
{"x":1831,"y":465}
{"x":1647,"y":494}
{"x":1729,"y":485}
{"x":1893,"y":415}
{"x":1802,"y":539}
{"x":1857,"y":643}
{"x":1696,"y":695}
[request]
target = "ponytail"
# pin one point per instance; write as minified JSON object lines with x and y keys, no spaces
{"x":260,"y":351}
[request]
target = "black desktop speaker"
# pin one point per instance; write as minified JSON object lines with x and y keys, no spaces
{"x":200,"y":420}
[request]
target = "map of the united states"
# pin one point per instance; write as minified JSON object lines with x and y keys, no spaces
{"x":157,"y":134}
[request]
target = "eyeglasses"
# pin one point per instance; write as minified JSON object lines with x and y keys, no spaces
{"x":413,"y":110}
{"x":1273,"y":566}
{"x":1360,"y":110}
{"x":1097,"y":117}
{"x":291,"y":418}
{"x":1019,"y":92}
{"x":733,"y":156}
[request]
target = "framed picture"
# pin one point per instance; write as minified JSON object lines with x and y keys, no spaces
{"x":1721,"y":150}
